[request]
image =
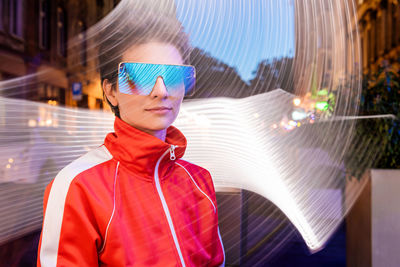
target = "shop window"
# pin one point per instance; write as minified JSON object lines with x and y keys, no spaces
{"x":84,"y":102}
{"x":51,"y":94}
{"x":99,"y":103}
{"x":61,"y":96}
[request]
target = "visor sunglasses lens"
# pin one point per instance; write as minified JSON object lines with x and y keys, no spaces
{"x":136,"y":78}
{"x":139,"y":78}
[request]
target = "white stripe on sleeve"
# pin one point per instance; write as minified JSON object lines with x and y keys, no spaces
{"x":56,"y":201}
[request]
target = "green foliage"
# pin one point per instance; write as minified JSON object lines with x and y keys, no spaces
{"x":273,"y":74}
{"x":381,"y":95}
{"x":215,"y":78}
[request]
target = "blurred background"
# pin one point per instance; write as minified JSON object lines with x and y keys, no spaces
{"x":36,"y":36}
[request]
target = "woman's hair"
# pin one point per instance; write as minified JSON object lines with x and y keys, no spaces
{"x":121,"y":35}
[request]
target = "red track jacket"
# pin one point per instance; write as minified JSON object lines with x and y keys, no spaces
{"x":131,"y":202}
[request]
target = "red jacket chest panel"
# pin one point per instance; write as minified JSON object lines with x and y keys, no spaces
{"x":139,"y":231}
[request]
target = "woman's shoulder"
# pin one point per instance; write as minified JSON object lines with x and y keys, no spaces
{"x":85,"y":169}
{"x":77,"y":188}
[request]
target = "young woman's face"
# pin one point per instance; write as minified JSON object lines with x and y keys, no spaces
{"x":158,"y":110}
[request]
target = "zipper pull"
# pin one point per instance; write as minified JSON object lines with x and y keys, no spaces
{"x":172,"y":152}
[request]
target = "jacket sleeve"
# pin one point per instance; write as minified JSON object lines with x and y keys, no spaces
{"x":69,"y":235}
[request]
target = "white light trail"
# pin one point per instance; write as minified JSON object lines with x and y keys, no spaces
{"x":250,"y":143}
{"x":241,"y":151}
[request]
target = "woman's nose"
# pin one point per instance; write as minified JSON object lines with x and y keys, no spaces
{"x":159,"y":89}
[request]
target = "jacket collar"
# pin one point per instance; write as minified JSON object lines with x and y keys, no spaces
{"x":140,"y":151}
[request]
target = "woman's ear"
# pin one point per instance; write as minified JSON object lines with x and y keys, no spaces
{"x":110,"y":93}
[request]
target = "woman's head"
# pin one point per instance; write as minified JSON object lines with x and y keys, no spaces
{"x":157,"y":42}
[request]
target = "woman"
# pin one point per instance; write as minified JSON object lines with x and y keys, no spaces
{"x":133,"y":201}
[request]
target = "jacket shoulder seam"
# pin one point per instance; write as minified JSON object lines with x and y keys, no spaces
{"x":197,"y":186}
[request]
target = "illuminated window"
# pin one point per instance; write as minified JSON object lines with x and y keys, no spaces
{"x":61,"y":32}
{"x":44,"y":26}
{"x":82,"y":43}
{"x":16,"y":18}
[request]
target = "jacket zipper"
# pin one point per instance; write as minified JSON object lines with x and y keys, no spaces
{"x":171,"y":150}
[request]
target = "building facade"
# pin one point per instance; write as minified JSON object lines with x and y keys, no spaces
{"x":36,"y":37}
{"x":326,"y":44}
{"x":379,"y":28}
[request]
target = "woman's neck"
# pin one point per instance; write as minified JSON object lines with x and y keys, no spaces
{"x":160,"y":134}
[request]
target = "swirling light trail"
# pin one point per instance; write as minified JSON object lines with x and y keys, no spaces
{"x":249,"y":143}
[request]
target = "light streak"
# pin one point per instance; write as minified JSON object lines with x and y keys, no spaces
{"x":240,"y":141}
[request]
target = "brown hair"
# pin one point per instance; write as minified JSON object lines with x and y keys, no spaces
{"x":123,"y":34}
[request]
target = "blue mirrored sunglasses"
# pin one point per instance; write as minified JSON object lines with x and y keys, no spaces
{"x":140,"y":78}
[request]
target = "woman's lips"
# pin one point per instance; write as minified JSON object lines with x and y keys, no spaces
{"x":159,"y":110}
